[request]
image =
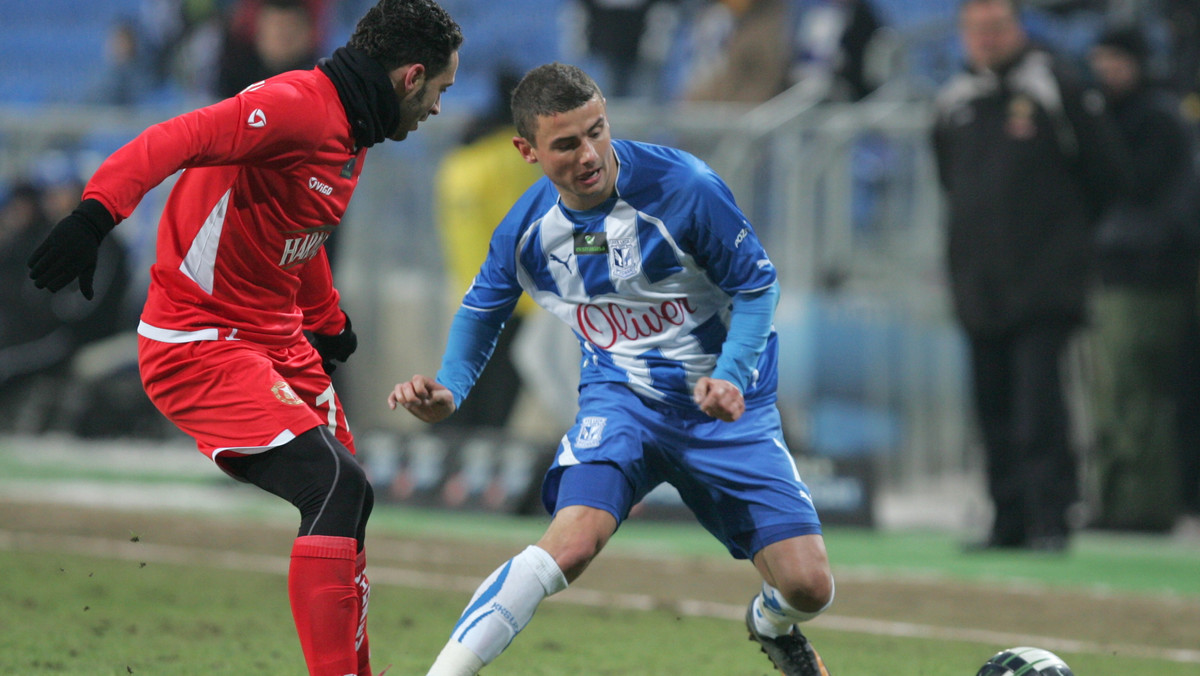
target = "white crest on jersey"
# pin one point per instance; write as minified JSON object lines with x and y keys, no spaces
{"x":624,"y":257}
{"x":257,"y":119}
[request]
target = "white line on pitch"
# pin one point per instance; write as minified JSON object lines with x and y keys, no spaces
{"x":143,"y":551}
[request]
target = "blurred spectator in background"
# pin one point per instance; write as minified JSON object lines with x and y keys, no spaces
{"x":616,"y":30}
{"x":127,"y":78}
{"x":183,"y":39}
{"x":1188,"y":424}
{"x":1027,"y":160}
{"x":1182,"y":18}
{"x":743,"y":52}
{"x":1147,"y":256}
{"x":60,"y":192}
{"x":284,"y":38}
{"x":38,"y":339}
{"x":243,"y":18}
{"x":832,"y":39}
{"x":476,"y":185}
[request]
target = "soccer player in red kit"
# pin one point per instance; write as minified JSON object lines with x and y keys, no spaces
{"x":240,"y":276}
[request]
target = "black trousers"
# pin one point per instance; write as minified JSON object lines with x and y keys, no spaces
{"x":1023,"y":418}
{"x":1188,"y":417}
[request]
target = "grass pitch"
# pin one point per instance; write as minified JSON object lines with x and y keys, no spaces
{"x":180,"y":571}
{"x":86,"y":616}
{"x":207,"y":595}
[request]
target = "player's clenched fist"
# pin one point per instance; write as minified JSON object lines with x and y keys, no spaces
{"x":719,"y":398}
{"x":423,"y":397}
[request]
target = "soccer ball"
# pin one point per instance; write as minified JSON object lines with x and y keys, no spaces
{"x":1025,"y":662}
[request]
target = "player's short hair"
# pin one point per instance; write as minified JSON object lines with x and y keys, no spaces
{"x":399,"y":32}
{"x":548,"y":90}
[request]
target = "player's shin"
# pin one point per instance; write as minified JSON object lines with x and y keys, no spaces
{"x":500,"y":608}
{"x":325,"y":603}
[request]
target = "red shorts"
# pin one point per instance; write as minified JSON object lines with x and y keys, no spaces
{"x":238,"y":397}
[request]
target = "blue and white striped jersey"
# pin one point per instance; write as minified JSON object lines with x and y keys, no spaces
{"x":645,"y":280}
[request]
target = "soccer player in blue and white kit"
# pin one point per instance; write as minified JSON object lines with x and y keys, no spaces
{"x":642,"y":251}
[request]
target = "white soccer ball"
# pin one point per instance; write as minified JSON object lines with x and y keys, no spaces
{"x":1025,"y":662}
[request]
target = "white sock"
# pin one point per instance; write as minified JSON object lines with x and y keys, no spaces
{"x":500,"y":608}
{"x":773,"y":616}
{"x":456,"y":660}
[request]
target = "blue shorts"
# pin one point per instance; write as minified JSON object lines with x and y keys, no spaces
{"x":738,"y":478}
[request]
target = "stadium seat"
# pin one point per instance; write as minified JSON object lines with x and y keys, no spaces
{"x":853,"y":365}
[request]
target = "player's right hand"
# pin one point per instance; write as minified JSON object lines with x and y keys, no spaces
{"x":719,"y":398}
{"x":70,"y":250}
{"x":335,"y":347}
{"x":423,"y":397}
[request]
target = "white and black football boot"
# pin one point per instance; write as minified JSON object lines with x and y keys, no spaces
{"x":791,"y":653}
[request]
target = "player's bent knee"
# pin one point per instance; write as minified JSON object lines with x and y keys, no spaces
{"x":353,"y":478}
{"x":799,"y":568}
{"x":811,"y":591}
{"x":318,"y":475}
{"x":368,"y":501}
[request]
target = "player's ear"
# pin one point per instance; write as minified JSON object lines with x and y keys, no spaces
{"x":415,"y":77}
{"x":408,"y":78}
{"x":526,"y":149}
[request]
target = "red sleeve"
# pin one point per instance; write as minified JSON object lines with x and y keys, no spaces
{"x":272,"y":125}
{"x":318,"y":299}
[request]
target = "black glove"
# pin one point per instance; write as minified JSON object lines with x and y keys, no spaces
{"x":339,"y":346}
{"x":70,"y":250}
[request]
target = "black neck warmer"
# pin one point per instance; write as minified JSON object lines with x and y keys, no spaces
{"x":366,"y":92}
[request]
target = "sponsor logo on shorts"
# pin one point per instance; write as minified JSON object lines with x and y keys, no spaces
{"x":283,"y":392}
{"x":590,"y":432}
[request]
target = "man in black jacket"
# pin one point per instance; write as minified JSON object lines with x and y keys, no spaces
{"x":1027,"y":160}
{"x":1147,"y":263}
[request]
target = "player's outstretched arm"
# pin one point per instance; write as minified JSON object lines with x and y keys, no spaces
{"x":423,"y":397}
{"x":719,"y":398}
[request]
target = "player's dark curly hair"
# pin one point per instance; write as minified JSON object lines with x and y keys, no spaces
{"x":400,"y":32}
{"x":548,"y":90}
{"x":1014,"y":5}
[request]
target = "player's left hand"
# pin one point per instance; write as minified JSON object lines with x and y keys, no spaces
{"x":719,"y":398}
{"x":338,"y":346}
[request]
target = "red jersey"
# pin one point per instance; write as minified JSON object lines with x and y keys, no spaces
{"x":267,"y":177}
